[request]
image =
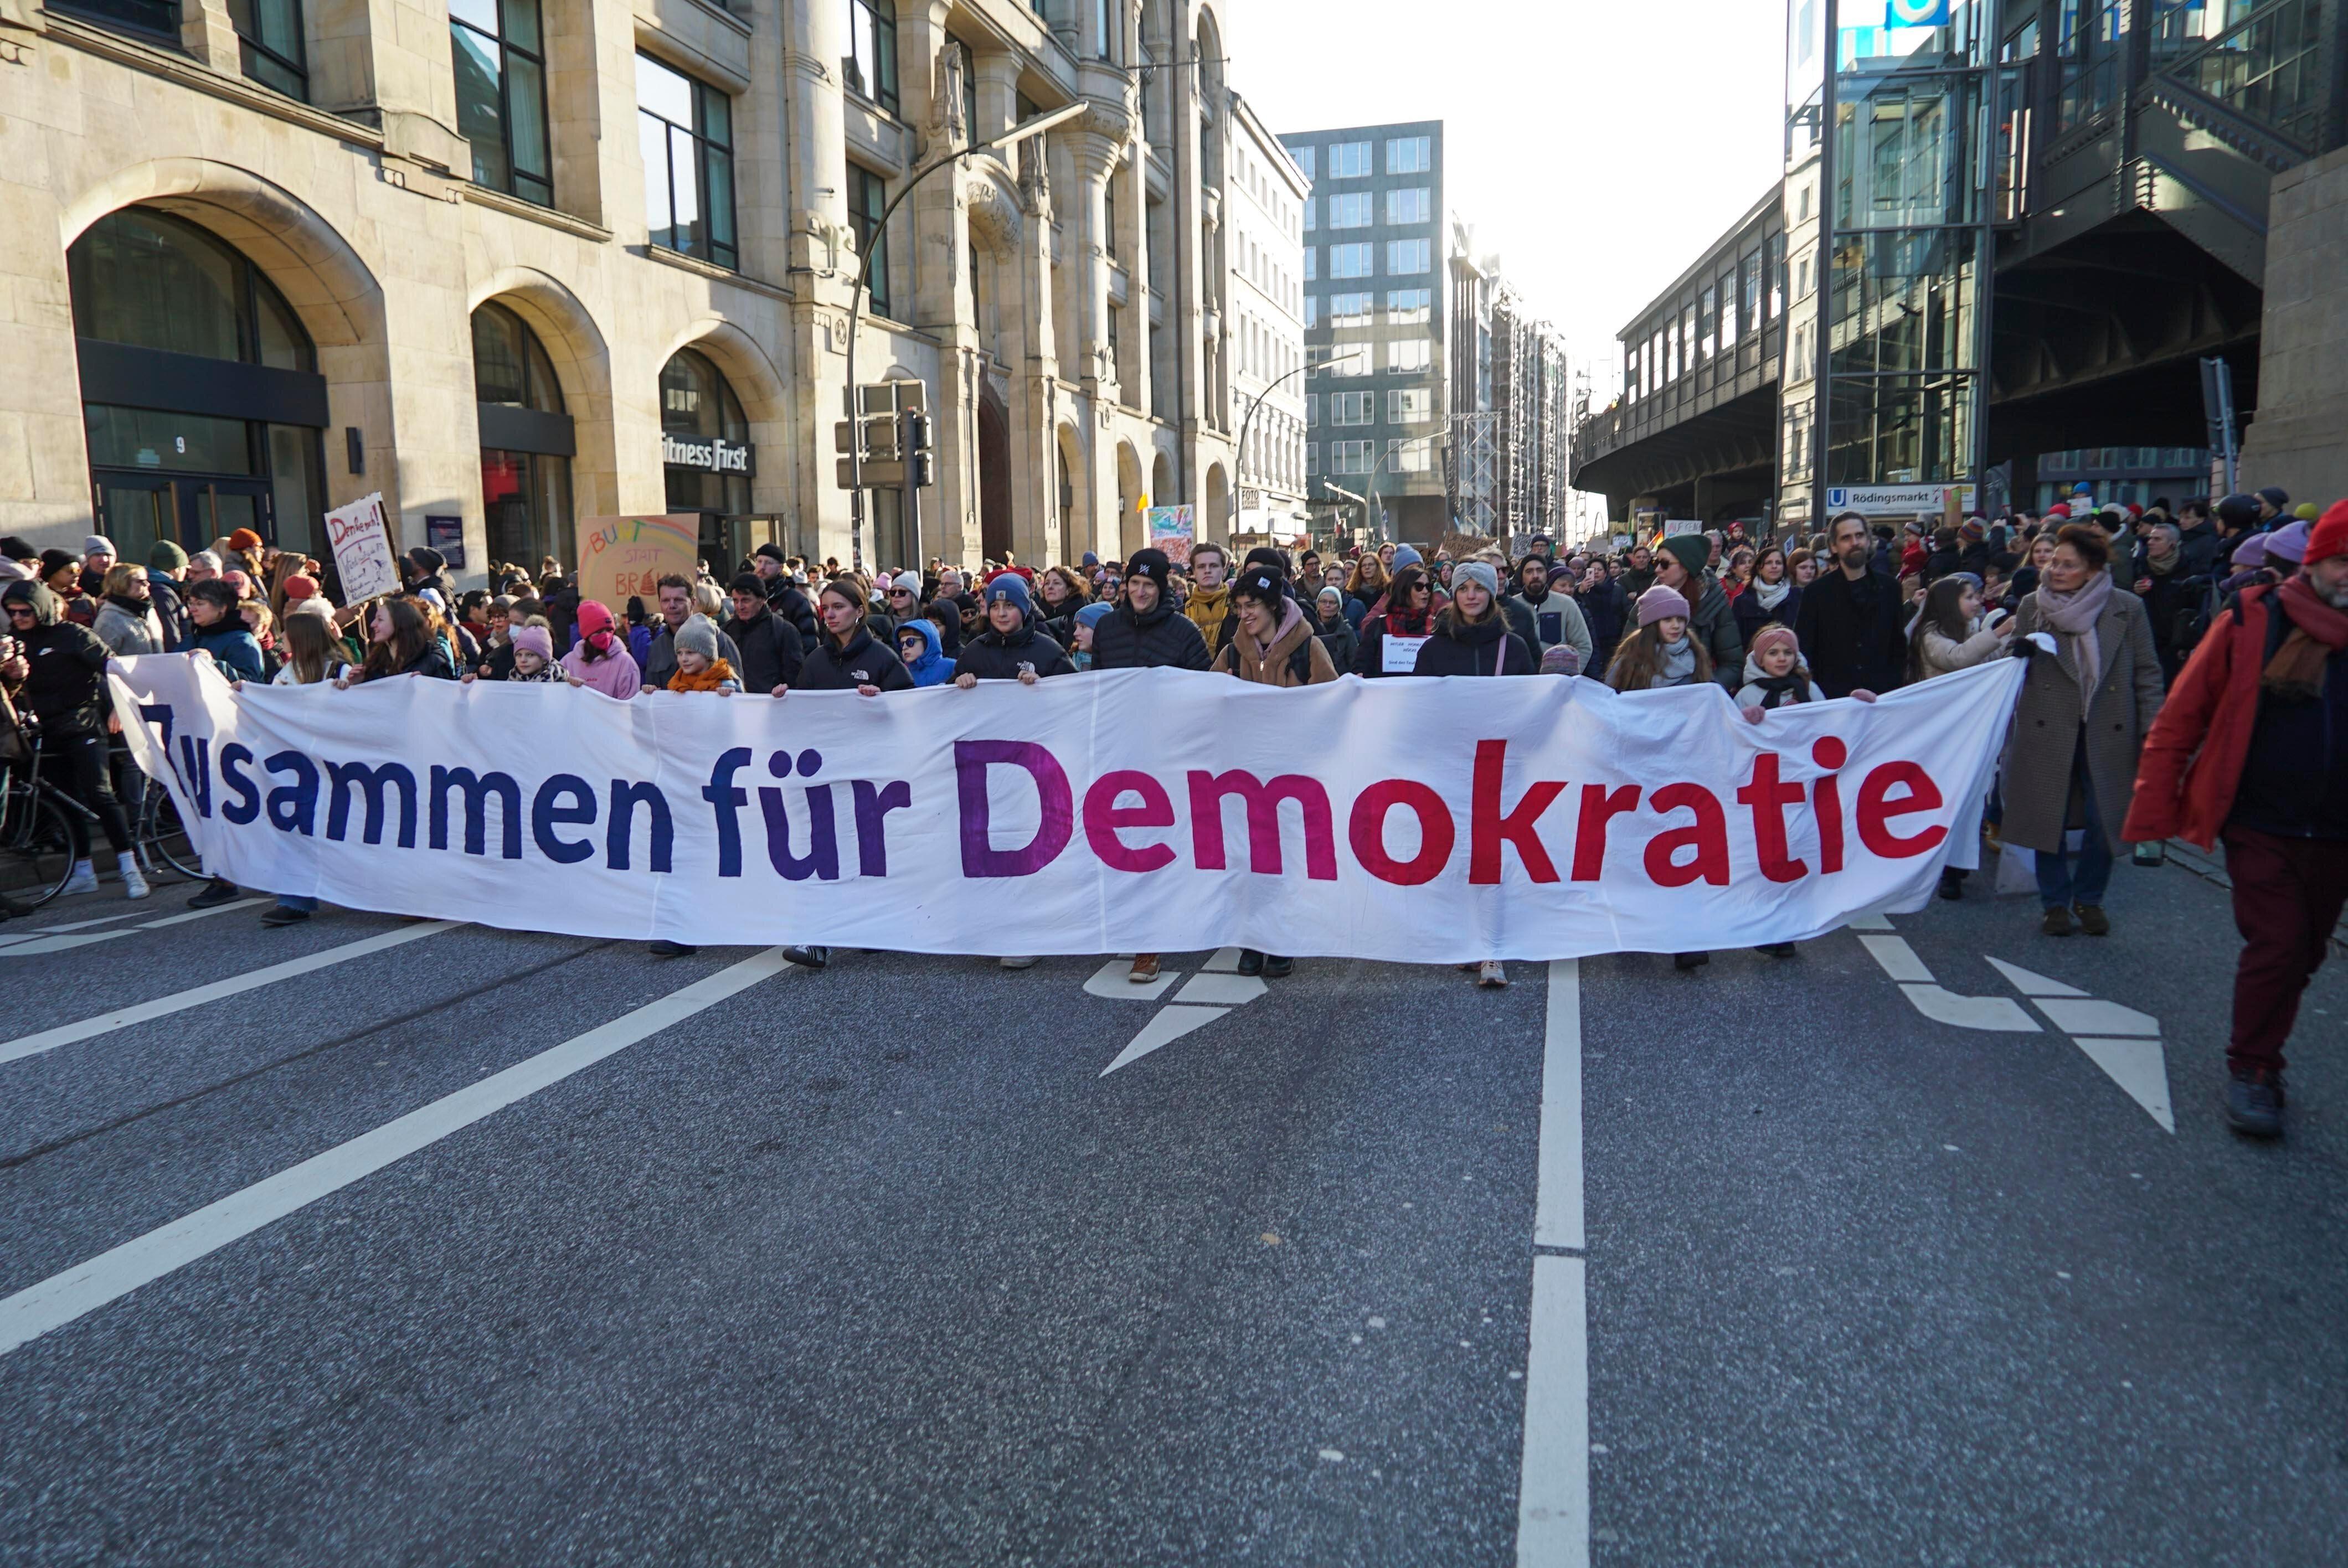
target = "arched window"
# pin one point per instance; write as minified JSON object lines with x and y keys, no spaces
{"x":200,"y":395}
{"x":526,"y":442}
{"x":696,"y":403}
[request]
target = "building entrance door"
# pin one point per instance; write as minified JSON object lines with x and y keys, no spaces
{"x":137,"y":507}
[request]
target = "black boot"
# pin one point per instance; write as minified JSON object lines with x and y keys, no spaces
{"x":2254,"y":1103}
{"x":1276,"y":967}
{"x":1688,"y":963}
{"x":1952,"y":884}
{"x":665,"y":948}
{"x":1775,"y":950}
{"x":1251,"y":961}
{"x":217,"y":892}
{"x":807,"y":958}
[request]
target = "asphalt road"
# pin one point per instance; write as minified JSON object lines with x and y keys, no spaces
{"x":487,"y":1247}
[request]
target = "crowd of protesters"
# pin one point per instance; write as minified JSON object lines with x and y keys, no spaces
{"x":2240,"y":606}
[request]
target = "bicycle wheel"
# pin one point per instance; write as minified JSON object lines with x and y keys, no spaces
{"x":162,"y":839}
{"x":34,"y":833}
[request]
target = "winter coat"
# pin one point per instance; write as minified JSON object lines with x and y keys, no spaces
{"x":1715,"y":625}
{"x":993,"y":656}
{"x":865,"y":661}
{"x":1340,"y":638}
{"x":125,"y":633}
{"x":1484,"y":648}
{"x":1751,"y":616}
{"x":1277,"y":667}
{"x":614,"y":674}
{"x":2201,"y":548}
{"x":232,"y":647}
{"x":1605,"y":610}
{"x":660,"y":662}
{"x":171,"y":610}
{"x":1160,"y":640}
{"x":1854,"y":635}
{"x":65,"y":685}
{"x":1534,"y":620}
{"x":771,"y":650}
{"x":2049,"y":724}
{"x":1943,"y":655}
{"x":2199,"y":746}
{"x":784,"y":600}
{"x":932,"y":668}
{"x":2173,"y":603}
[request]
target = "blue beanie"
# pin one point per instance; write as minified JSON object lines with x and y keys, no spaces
{"x":1095,"y":613}
{"x":1405,"y":556}
{"x":1091,"y":560}
{"x":1011,"y":587}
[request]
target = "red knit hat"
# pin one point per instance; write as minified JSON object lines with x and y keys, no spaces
{"x":2329,"y":537}
{"x":2059,"y":511}
{"x":299,"y":588}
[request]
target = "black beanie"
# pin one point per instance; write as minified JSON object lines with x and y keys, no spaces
{"x":1151,"y":564}
{"x":1261,"y":582}
{"x":1265,"y":555}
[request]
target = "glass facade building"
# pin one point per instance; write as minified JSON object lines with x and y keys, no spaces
{"x":1891,"y":171}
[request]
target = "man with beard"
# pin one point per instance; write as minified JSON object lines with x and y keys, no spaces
{"x":1851,"y":624}
{"x":1547,"y":617}
{"x":782,"y":594}
{"x":2252,"y":748}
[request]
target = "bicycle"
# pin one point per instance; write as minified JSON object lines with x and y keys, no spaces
{"x":36,"y":823}
{"x":162,"y":839}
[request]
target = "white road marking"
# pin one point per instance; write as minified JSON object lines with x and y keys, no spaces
{"x":61,"y":1298}
{"x":1553,"y":1484}
{"x":1222,"y":991}
{"x":1997,"y":1014}
{"x":1113,"y":982}
{"x":1169,"y":1024}
{"x":2093,"y":1015}
{"x":2139,"y":1066}
{"x":179,"y":1002}
{"x":1873,"y":920}
{"x":1556,"y":1213}
{"x":26,"y":948}
{"x":2031,"y":984}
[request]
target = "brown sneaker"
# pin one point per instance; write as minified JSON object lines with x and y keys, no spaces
{"x":1145,"y":969}
{"x":2058,"y":922}
{"x":2092,"y":919}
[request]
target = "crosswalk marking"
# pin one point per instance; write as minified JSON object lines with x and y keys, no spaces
{"x":63,"y":1297}
{"x":179,"y":1001}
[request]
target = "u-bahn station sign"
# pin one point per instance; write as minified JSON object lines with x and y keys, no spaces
{"x":710,"y":454}
{"x":1893,"y":501}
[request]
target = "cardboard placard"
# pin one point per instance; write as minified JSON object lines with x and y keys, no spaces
{"x":364,"y":558}
{"x":1399,"y":655}
{"x":1174,"y":529}
{"x":621,"y":559}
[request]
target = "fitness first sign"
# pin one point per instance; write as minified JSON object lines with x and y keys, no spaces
{"x":710,"y":454}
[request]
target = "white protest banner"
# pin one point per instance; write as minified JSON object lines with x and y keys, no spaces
{"x":1418,"y":821}
{"x":363,"y":554}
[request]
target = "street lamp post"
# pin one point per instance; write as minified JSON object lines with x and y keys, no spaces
{"x":1247,"y":421}
{"x":1017,"y":133}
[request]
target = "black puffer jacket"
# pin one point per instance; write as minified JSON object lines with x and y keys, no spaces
{"x":65,"y":685}
{"x":1479,"y":648}
{"x":1162,"y":639}
{"x":784,"y":598}
{"x":1338,"y":636}
{"x":991,"y":656}
{"x":865,"y":661}
{"x":772,"y":651}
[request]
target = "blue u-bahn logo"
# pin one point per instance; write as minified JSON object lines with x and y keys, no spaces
{"x":1920,"y":12}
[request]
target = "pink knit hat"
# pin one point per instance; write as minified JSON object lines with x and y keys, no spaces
{"x":1658,"y":602}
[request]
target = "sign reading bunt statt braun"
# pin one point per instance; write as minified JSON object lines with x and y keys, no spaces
{"x":710,"y":454}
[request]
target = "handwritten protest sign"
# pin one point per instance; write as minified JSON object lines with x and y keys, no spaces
{"x":621,"y":559}
{"x":361,"y":538}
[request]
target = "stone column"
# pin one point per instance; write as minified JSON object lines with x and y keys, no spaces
{"x":821,"y":260}
{"x":2298,"y":439}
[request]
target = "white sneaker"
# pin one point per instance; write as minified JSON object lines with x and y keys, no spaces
{"x":1492,"y":975}
{"x":1019,"y":963}
{"x":134,"y":883}
{"x":83,"y":880}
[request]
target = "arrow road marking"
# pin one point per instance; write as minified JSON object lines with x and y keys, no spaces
{"x":1216,"y":989}
{"x":2002,"y":1015}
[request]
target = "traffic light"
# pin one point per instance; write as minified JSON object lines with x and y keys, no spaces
{"x":920,"y":462}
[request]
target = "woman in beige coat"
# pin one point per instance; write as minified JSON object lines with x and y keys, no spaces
{"x":2078,"y":727}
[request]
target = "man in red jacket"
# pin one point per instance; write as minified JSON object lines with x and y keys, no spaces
{"x":2252,"y":747}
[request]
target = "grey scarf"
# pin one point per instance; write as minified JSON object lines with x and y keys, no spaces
{"x":1678,"y":667}
{"x":2075,"y":616}
{"x":1771,"y":594}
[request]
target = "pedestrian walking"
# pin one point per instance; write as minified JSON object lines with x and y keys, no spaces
{"x":2252,"y":749}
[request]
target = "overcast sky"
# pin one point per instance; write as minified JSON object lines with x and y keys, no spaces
{"x":1597,"y":146}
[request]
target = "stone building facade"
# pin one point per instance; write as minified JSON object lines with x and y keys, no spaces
{"x":1264,"y":200}
{"x":517,"y":263}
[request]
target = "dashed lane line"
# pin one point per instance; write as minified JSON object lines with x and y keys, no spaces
{"x":1553,"y":1487}
{"x":62,"y":1298}
{"x":179,"y":1001}
{"x":63,"y":939}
